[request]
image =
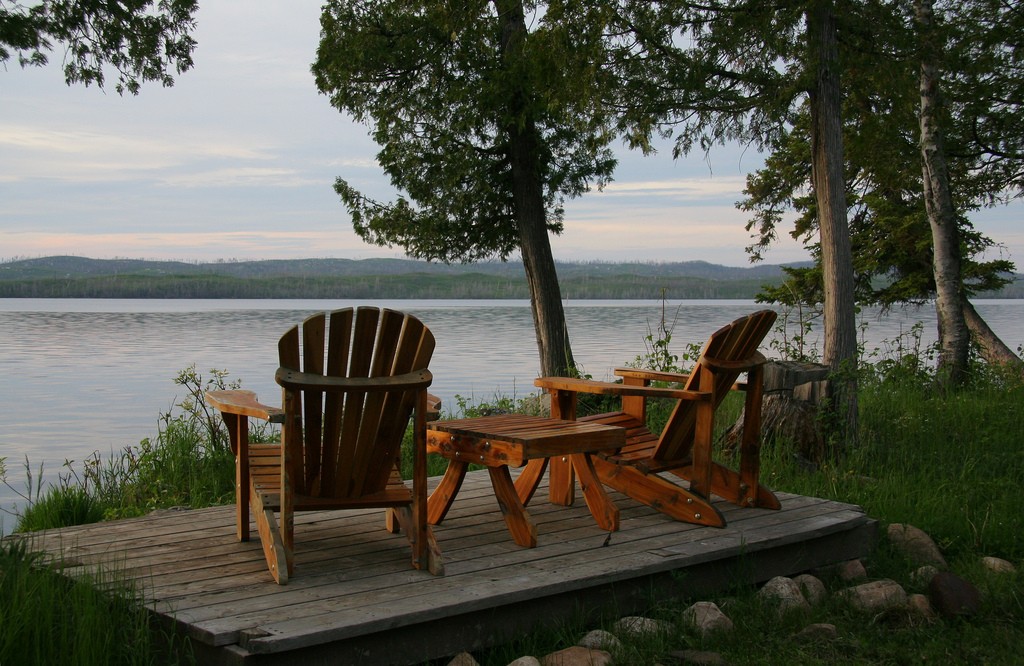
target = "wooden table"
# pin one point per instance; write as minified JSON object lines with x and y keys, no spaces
{"x":499,"y":442}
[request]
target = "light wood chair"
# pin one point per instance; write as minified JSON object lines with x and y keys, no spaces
{"x":348,"y":393}
{"x":684,"y":446}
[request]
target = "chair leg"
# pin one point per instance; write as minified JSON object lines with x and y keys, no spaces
{"x":392,"y":520}
{"x":271,"y":539}
{"x":659,"y":494}
{"x":238,"y":434}
{"x":435,"y":564}
{"x":431,"y":558}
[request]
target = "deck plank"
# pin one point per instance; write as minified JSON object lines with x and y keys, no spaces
{"x":354,"y":586}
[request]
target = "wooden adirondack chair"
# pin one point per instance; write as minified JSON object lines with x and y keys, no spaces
{"x":341,"y":435}
{"x":684,"y":446}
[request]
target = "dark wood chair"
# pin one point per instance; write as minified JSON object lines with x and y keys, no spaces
{"x":684,"y":446}
{"x":349,"y":390}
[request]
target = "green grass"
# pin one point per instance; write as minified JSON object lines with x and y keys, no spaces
{"x":60,"y":506}
{"x":47,"y":618}
{"x":945,"y":463}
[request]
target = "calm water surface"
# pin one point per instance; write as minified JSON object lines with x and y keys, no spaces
{"x":85,"y":375}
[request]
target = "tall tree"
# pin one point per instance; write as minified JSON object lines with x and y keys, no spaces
{"x":488,"y":115}
{"x":142,"y":40}
{"x":954,"y":338}
{"x":890,"y":179}
{"x":826,"y":102}
{"x":739,"y":70}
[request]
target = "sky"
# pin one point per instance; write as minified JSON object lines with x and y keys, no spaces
{"x":237,"y":161}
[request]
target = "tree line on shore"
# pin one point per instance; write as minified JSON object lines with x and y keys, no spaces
{"x":407,"y":286}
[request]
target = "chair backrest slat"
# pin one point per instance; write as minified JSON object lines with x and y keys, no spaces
{"x":291,"y":432}
{"x":314,"y":332}
{"x":364,"y":331}
{"x":413,"y":354}
{"x":338,"y":347}
{"x":384,"y":348}
{"x":344,"y":445}
{"x":735,"y":342}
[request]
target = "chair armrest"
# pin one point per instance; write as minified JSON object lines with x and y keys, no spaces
{"x":308,"y":381}
{"x":243,"y":403}
{"x":573,"y":385}
{"x":744,"y":365}
{"x":652,"y":375}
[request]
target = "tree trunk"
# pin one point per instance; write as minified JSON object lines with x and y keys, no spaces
{"x":954,"y":338}
{"x":993,"y":349}
{"x":840,"y":326}
{"x":794,"y":393}
{"x":531,"y":215}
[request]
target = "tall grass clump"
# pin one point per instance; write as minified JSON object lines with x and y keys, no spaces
{"x":63,"y":504}
{"x":50,"y":619}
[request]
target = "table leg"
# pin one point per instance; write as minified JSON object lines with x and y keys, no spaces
{"x":562,"y":484}
{"x":601,"y":507}
{"x":529,"y":479}
{"x":440,"y":501}
{"x":523,"y":531}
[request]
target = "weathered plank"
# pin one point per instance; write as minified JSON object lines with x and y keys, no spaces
{"x":353,"y":587}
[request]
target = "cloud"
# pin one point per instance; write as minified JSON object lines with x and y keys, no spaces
{"x":84,"y":155}
{"x":681,"y":188}
{"x":206,"y":246}
{"x":240,"y":177}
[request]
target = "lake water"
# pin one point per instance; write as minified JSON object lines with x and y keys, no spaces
{"x":85,"y":375}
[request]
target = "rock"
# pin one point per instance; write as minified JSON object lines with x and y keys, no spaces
{"x":577,"y":656}
{"x":851,"y":570}
{"x":812,"y":587}
{"x":877,"y":595}
{"x":820,"y":632}
{"x":600,"y":640}
{"x":707,"y":617}
{"x":998,"y":565}
{"x":463,"y":659}
{"x":785,"y":592}
{"x":639,"y":626}
{"x":923,"y":575}
{"x":525,"y":661}
{"x":952,"y":595}
{"x":919,"y":604}
{"x":915,"y":545}
{"x":848,"y":571}
{"x":698,"y":657}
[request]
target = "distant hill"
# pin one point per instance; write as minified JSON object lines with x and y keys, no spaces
{"x":80,"y":277}
{"x":68,"y":267}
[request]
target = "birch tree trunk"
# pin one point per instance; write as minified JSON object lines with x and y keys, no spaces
{"x":530,"y":213}
{"x":954,"y":337}
{"x":992,"y":347}
{"x":840,"y":327}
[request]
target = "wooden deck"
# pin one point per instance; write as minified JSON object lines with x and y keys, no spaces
{"x":354,"y":598}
